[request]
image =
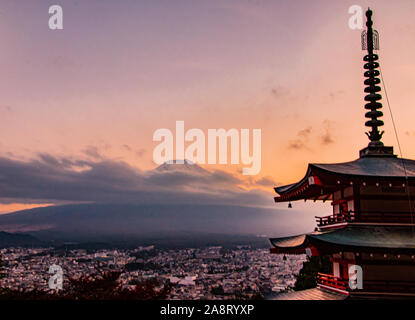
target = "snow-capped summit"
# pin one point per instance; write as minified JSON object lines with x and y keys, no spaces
{"x":181,"y":165}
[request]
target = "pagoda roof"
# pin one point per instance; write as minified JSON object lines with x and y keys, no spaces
{"x":386,"y":167}
{"x":351,"y":237}
{"x":326,"y":176}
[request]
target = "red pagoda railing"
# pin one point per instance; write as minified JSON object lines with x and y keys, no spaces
{"x":348,"y":216}
{"x":330,"y":280}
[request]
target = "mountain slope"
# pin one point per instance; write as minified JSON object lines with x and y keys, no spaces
{"x":13,"y":239}
{"x":100,"y":221}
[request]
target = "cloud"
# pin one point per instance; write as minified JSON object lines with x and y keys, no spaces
{"x":304,"y":133}
{"x":296,"y":144}
{"x":335,"y":94}
{"x":140,"y":152}
{"x":48,"y":179}
{"x":307,"y":136}
{"x":327,"y":137}
{"x":92,"y":151}
{"x":266,"y":182}
{"x":126,"y":147}
{"x":6,"y":108}
{"x":279,"y":92}
{"x":301,"y":141}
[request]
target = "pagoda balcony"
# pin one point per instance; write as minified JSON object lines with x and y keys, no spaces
{"x":330,"y":282}
{"x":348,"y":216}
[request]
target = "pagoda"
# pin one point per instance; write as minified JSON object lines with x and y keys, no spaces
{"x":370,"y":233}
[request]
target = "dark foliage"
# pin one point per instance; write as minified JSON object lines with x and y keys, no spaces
{"x":2,"y":275}
{"x":104,"y":287}
{"x":306,"y":279}
{"x":217,"y":290}
{"x":132,"y":266}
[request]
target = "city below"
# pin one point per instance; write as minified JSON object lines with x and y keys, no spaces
{"x":208,"y":273}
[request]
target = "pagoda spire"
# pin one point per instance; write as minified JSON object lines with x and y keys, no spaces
{"x":370,"y":42}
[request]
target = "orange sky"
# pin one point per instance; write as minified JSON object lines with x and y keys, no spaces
{"x":99,"y":90}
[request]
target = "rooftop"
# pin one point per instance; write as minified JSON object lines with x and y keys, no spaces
{"x":362,"y":237}
{"x":310,"y":294}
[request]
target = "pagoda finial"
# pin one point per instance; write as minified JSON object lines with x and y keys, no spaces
{"x":370,"y":42}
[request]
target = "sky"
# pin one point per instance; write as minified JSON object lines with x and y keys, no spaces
{"x":79,"y":106}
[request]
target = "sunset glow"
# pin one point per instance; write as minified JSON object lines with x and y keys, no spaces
{"x":97,"y":91}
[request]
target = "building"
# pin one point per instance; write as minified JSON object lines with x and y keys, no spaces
{"x":372,"y":221}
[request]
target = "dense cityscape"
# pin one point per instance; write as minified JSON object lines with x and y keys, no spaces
{"x":193,"y":273}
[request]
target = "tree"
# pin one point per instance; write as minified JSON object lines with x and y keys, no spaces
{"x":218,"y":290}
{"x":2,"y":274}
{"x":306,"y":279}
{"x":104,"y":287}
